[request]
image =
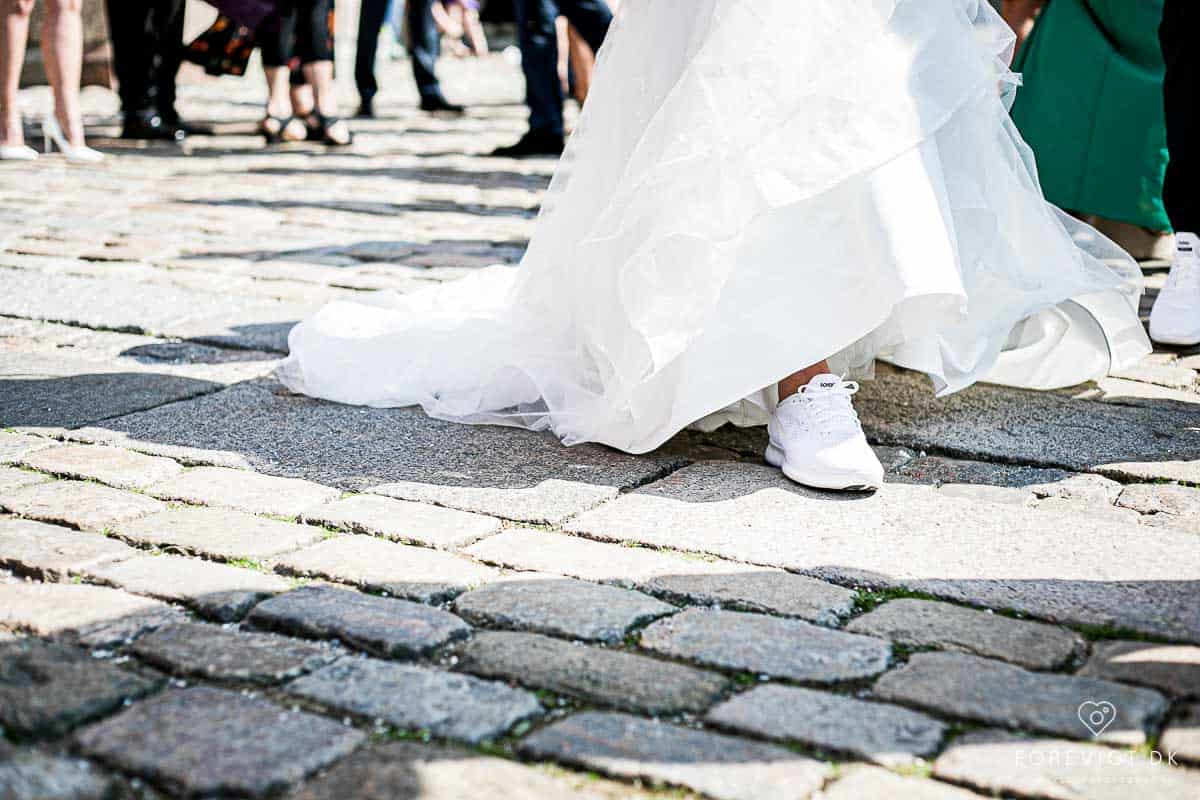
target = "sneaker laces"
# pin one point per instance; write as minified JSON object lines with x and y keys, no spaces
{"x":828,"y":402}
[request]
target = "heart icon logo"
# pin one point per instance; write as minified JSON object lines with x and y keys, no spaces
{"x":1097,"y":715}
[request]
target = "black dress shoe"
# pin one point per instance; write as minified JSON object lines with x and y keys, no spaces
{"x":148,"y":126}
{"x":439,"y":103}
{"x":192,"y":128}
{"x":533,"y":143}
{"x":366,"y":110}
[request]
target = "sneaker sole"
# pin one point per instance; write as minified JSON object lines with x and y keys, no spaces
{"x":1175,"y":341}
{"x":775,"y":458}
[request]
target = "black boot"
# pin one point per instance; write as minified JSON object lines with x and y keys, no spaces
{"x":438,"y":103}
{"x":150,"y":126}
{"x":533,"y":143}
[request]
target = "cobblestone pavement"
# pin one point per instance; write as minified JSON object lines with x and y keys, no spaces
{"x":215,"y":588}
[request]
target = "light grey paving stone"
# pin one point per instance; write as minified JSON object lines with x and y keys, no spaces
{"x":217,"y":591}
{"x":529,"y":549}
{"x":1178,"y":505}
{"x":48,"y":688}
{"x":204,"y":742}
{"x":429,"y":772}
{"x":1056,"y":566}
{"x":560,"y":607}
{"x":414,"y":573}
{"x":188,"y":456}
{"x":381,"y":625}
{"x":243,"y":491}
{"x":550,"y":502}
{"x":12,"y":478}
{"x":607,"y":677}
{"x":446,"y":704}
{"x":1006,"y":764}
{"x":95,"y":616}
{"x":30,"y":775}
{"x":219,"y":654}
{"x":299,"y":437}
{"x":1002,"y":424}
{"x":1169,"y":375}
{"x":15,"y":446}
{"x":402,"y":521}
{"x":114,"y":466}
{"x":1181,"y":737}
{"x":886,"y":734}
{"x":218,"y":533}
{"x":53,"y":553}
{"x":1001,"y":694}
{"x":783,"y":648}
{"x":1084,"y":489}
{"x":922,"y":623}
{"x":79,"y":504}
{"x":859,"y":782}
{"x":764,"y":590}
{"x":1173,"y":669}
{"x":717,"y":766}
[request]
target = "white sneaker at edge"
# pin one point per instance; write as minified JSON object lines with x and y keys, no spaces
{"x":817,"y":440}
{"x":1175,"y":318}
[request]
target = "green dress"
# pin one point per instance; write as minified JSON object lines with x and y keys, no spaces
{"x":1092,"y":109}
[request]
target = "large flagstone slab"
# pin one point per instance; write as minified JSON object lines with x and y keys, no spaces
{"x":1049,"y":564}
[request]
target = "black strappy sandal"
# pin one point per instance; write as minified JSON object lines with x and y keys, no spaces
{"x":282,"y":126}
{"x":319,"y":126}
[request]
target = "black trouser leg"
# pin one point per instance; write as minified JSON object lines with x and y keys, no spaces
{"x":370,"y":20}
{"x":1181,"y":93}
{"x":168,"y":25}
{"x":147,"y":43}
{"x":425,"y":46}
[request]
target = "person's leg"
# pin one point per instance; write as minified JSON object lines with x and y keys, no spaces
{"x":62,"y":51}
{"x":536,"y":21}
{"x":591,"y":18}
{"x":168,"y":44}
{"x":314,"y":46}
{"x":276,"y":38}
{"x":1175,"y":318}
{"x":1020,"y":16}
{"x":14,"y":33}
{"x":424,"y":48}
{"x":370,"y":22}
{"x":476,"y":36}
{"x":129,"y":25}
{"x":793,"y":383}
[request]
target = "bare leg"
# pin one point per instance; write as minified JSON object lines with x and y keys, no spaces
{"x":62,"y":50}
{"x":302,"y":100}
{"x":475,"y":33}
{"x":583,"y":61}
{"x":14,"y":33}
{"x":792,"y":383}
{"x":320,"y":76}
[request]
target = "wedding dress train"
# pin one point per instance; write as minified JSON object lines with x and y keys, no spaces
{"x":755,"y":186}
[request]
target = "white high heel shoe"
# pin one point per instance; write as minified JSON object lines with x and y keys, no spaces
{"x":17,"y":152}
{"x":52,"y":134}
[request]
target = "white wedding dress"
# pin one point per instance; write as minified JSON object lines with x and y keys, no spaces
{"x":754,"y":186}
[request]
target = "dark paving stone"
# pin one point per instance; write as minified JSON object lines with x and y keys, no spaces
{"x":1000,"y":694}
{"x":38,"y":776}
{"x":1181,"y":736}
{"x":561,"y":607}
{"x":220,"y":654}
{"x":1008,"y":765}
{"x":446,"y":704}
{"x":46,"y":689}
{"x":1001,"y":424}
{"x":1173,"y":669}
{"x":717,"y":766}
{"x":292,"y":436}
{"x":381,"y":625}
{"x":203,"y":742}
{"x":410,"y":771}
{"x":921,"y":623}
{"x":784,"y":648}
{"x":886,"y":734}
{"x":595,"y":675}
{"x":762,"y":590}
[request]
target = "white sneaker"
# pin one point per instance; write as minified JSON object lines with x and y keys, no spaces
{"x":817,"y":440}
{"x":1175,"y":318}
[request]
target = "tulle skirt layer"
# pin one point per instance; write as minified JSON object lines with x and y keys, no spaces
{"x":753,"y":187}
